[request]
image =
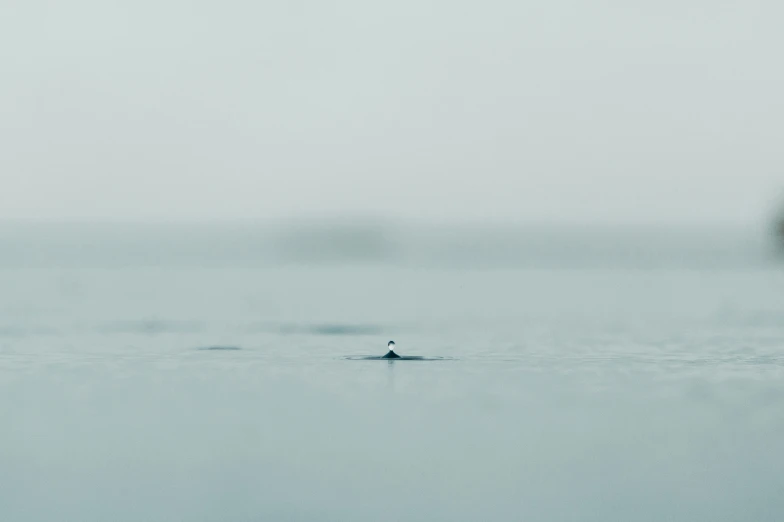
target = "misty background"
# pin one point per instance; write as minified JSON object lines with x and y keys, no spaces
{"x":427,"y":112}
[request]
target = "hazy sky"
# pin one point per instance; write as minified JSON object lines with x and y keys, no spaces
{"x":547,"y":110}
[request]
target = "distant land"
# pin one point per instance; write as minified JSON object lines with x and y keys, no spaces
{"x":333,"y":241}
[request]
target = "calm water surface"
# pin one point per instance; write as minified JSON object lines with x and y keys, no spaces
{"x":574,"y":394}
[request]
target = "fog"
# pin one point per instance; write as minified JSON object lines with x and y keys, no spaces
{"x":432,"y":111}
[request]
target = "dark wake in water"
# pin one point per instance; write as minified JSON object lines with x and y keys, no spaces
{"x":399,"y":358}
{"x":220,"y":348}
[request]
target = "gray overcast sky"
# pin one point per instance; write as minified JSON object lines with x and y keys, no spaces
{"x":549,"y":110}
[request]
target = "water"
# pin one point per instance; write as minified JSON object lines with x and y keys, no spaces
{"x":173,"y":391}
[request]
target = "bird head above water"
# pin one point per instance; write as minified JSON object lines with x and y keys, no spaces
{"x":391,"y":353}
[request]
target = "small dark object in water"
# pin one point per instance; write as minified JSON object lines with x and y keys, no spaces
{"x":221,"y":348}
{"x":392,"y":356}
{"x":391,"y":353}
